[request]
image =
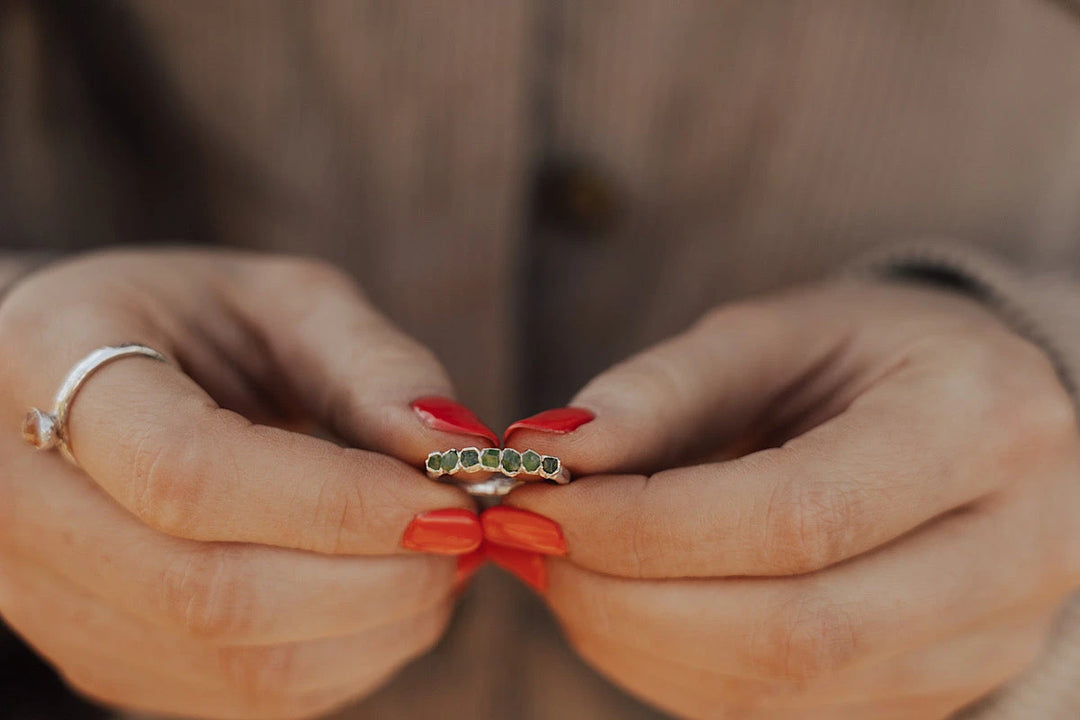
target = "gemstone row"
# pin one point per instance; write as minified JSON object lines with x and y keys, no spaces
{"x":507,"y":461}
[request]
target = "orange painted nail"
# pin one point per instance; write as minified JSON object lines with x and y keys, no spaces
{"x":558,"y":421}
{"x":440,"y":413}
{"x":526,"y":566}
{"x":454,"y":531}
{"x":523,"y":530}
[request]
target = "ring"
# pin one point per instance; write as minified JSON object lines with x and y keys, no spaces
{"x":48,"y":430}
{"x":507,"y":462}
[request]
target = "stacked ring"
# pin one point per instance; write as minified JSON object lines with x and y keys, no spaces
{"x":506,"y":461}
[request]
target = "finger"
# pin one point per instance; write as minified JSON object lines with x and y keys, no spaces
{"x":190,"y":469}
{"x":754,"y":373}
{"x":943,"y":677}
{"x":952,"y":575}
{"x":120,"y":660}
{"x":890,"y":462}
{"x":349,"y":365}
{"x":158,"y":444}
{"x":221,"y":593}
{"x":691,"y":393}
{"x":968,"y":665}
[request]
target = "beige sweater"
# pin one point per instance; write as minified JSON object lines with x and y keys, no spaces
{"x":581,"y":179}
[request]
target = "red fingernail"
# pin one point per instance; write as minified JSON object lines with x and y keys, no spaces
{"x":523,"y":530}
{"x":467,"y":566}
{"x":559,"y":421}
{"x":526,"y":566}
{"x":440,"y":413}
{"x":454,"y":531}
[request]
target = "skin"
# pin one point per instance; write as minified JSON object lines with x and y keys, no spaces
{"x":848,"y":501}
{"x":851,"y":501}
{"x":201,"y":564}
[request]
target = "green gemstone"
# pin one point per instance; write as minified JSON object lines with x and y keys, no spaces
{"x":511,"y":460}
{"x":470,"y":458}
{"x":530,"y":460}
{"x":550,"y":465}
{"x":489,"y":458}
{"x":449,"y":460}
{"x":434,"y":462}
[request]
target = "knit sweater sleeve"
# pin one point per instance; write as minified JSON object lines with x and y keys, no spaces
{"x":1044,"y":308}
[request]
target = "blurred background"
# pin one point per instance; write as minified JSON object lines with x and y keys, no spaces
{"x":596,"y":171}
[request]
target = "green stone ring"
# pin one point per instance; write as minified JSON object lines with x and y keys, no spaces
{"x":510,"y":465}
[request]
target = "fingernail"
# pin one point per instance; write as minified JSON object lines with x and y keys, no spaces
{"x":526,"y":566}
{"x":467,"y":566}
{"x":523,"y":530}
{"x":558,"y":421}
{"x":453,"y":531}
{"x":440,"y":413}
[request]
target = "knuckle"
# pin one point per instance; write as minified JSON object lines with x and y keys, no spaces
{"x":806,"y":526}
{"x":340,"y":521}
{"x":167,"y":481}
{"x":636,"y":533}
{"x":349,"y":517}
{"x":1029,"y":409}
{"x":807,"y":639}
{"x":207,"y":596}
{"x":968,"y":377}
{"x":636,"y":561}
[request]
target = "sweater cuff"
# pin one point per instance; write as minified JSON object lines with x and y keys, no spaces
{"x":1045,"y":309}
{"x":1042,"y":307}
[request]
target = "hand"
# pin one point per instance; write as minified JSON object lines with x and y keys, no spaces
{"x":894,"y":544}
{"x":199,"y":564}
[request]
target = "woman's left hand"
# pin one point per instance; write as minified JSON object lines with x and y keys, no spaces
{"x":853,"y":501}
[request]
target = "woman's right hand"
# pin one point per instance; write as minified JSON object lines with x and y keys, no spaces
{"x":199,"y":564}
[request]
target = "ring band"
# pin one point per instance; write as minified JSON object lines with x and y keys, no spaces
{"x":510,"y":464}
{"x":46,"y":431}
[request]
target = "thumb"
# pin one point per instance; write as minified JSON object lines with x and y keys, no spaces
{"x":688,"y":396}
{"x":350,"y":367}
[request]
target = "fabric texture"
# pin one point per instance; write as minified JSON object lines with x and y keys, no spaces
{"x":581,"y":179}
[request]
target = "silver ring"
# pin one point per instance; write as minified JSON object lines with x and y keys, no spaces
{"x":509,"y":466}
{"x":48,"y":430}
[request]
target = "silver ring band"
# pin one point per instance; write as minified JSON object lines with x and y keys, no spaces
{"x":47,"y":431}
